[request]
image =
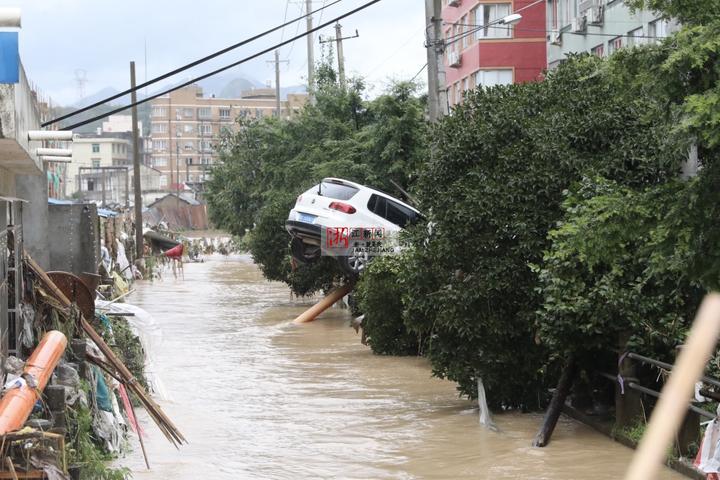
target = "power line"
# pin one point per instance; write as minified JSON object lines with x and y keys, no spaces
{"x":183,"y":68}
{"x":297,"y":30}
{"x":419,"y":72}
{"x":227,"y":67}
{"x":282,"y":32}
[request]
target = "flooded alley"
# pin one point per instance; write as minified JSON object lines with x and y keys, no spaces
{"x":258,"y":397}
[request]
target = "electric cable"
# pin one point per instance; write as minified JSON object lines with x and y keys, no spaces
{"x":183,"y":68}
{"x":219,"y":70}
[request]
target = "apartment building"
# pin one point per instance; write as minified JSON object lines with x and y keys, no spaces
{"x":600,"y":27}
{"x":482,"y":52}
{"x":186,"y":125}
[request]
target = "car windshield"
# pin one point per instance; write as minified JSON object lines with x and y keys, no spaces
{"x":336,"y":190}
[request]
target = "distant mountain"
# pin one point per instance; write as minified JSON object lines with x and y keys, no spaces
{"x":95,"y":97}
{"x":217,"y":84}
{"x":235,"y":87}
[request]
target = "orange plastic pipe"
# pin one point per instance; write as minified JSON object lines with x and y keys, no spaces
{"x":17,"y":404}
{"x":311,"y":313}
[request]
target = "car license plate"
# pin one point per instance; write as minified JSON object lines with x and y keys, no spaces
{"x":304,"y":217}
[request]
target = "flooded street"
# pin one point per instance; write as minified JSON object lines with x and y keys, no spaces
{"x":258,"y":397}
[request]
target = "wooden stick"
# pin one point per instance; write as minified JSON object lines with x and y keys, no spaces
{"x":139,"y":432}
{"x":47,"y":282}
{"x":678,"y":390}
{"x":311,"y":313}
{"x":10,"y":465}
{"x":558,"y":400}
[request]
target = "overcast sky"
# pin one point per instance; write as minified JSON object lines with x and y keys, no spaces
{"x":100,"y":37}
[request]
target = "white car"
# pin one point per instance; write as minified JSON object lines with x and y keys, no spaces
{"x":326,"y":217}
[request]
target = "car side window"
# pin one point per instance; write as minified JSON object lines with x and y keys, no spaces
{"x":390,"y":211}
{"x":398,"y":214}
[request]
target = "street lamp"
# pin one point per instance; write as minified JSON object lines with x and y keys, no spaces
{"x":511,"y":19}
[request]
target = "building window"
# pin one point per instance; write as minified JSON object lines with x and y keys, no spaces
{"x":95,"y":148}
{"x":159,"y":128}
{"x":598,"y":50}
{"x":188,"y":161}
{"x":205,"y":146}
{"x":466,"y":39}
{"x":96,"y":163}
{"x":204,"y":112}
{"x":160,"y":145}
{"x":636,"y":37}
{"x":614,"y":45}
{"x":490,"y":78}
{"x":486,"y":13}
{"x":163,"y":181}
{"x":567,"y":11}
{"x":205,"y":160}
{"x":160,"y":161}
{"x":159,"y":111}
{"x":224,"y":113}
{"x":658,"y":29}
{"x":189,"y":145}
{"x":188,"y":128}
{"x":206,"y":129}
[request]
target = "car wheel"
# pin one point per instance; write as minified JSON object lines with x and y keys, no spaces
{"x":302,"y":252}
{"x":354,"y":264}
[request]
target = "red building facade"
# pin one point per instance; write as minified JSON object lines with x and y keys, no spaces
{"x":479,"y":53}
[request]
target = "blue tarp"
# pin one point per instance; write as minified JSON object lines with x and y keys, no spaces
{"x":104,"y":212}
{"x":9,"y":58}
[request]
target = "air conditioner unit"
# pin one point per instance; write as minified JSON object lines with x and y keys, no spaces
{"x":597,"y":15}
{"x":454,"y":59}
{"x":579,"y":24}
{"x":555,"y":37}
{"x":454,"y":3}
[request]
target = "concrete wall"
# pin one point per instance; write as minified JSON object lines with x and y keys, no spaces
{"x":33,"y":188}
{"x":75,"y":238}
{"x":7,"y":183}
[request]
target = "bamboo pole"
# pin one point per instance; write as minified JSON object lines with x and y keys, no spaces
{"x":678,"y":390}
{"x":311,"y":313}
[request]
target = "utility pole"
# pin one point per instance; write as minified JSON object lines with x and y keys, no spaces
{"x":341,"y":56}
{"x":136,"y":168}
{"x":310,"y":53}
{"x":277,"y":63}
{"x":437,"y":87}
{"x":177,"y":166}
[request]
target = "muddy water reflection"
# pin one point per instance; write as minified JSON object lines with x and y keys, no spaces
{"x":258,"y":397}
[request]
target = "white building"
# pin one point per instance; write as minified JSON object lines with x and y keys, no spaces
{"x":120,"y":124}
{"x":94,"y":153}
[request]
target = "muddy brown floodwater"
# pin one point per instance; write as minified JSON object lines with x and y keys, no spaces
{"x":258,"y":397}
